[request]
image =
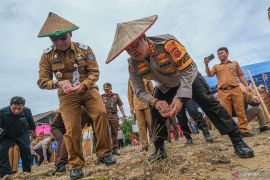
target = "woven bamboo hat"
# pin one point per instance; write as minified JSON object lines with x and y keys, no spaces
{"x":128,"y":32}
{"x":55,"y":26}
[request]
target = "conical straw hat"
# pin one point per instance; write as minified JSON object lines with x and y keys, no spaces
{"x":127,"y":32}
{"x":55,"y":26}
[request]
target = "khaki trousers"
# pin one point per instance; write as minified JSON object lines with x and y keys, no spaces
{"x":234,"y":99}
{"x":70,"y":107}
{"x":114,"y":124}
{"x":144,"y":124}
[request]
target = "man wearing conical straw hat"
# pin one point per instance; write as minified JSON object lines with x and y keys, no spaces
{"x":76,"y":71}
{"x":165,"y":60}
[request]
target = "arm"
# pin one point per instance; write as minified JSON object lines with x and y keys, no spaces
{"x":120,"y":104}
{"x":130,"y":97}
{"x":45,"y":73}
{"x":93,"y":69}
{"x":210,"y":73}
{"x":30,"y":120}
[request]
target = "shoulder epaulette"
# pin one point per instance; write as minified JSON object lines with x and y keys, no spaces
{"x":83,"y":46}
{"x":47,"y":50}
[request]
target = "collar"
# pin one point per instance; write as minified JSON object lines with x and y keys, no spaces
{"x":226,"y":62}
{"x":152,"y":47}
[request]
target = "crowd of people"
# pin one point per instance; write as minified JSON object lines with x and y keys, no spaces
{"x":180,"y":94}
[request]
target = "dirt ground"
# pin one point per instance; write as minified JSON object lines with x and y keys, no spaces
{"x":199,"y":161}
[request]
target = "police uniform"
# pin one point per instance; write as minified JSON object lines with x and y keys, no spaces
{"x":54,"y":61}
{"x":176,"y":75}
{"x":229,"y":91}
{"x":111,"y":101}
{"x":142,"y":110}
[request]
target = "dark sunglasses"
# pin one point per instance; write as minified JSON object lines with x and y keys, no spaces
{"x":61,"y":37}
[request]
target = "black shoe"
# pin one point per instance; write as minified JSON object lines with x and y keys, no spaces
{"x":246,"y":134}
{"x":158,"y":155}
{"x":144,"y":149}
{"x":76,"y":174}
{"x":265,"y":128}
{"x":116,"y":152}
{"x":107,"y":160}
{"x":207,"y":136}
{"x":240,"y":147}
{"x":189,"y":139}
{"x":59,"y":168}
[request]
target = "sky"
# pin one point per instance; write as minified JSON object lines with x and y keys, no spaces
{"x":202,"y":26}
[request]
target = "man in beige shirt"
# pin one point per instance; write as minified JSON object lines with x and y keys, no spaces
{"x":142,"y":111}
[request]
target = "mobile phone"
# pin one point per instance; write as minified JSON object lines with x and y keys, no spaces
{"x":211,"y":57}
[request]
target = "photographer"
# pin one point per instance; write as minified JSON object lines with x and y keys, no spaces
{"x":15,"y":122}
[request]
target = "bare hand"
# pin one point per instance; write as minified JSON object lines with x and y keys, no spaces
{"x":161,"y":105}
{"x":132,"y":111}
{"x":176,"y":106}
{"x":80,"y":88}
{"x":206,"y":60}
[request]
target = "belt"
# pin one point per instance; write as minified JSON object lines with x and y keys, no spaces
{"x":227,"y":88}
{"x":110,"y":113}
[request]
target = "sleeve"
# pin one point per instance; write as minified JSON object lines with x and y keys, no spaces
{"x":239,"y":70}
{"x":150,"y":86}
{"x":92,"y":68}
{"x":138,"y":86}
{"x":30,"y":120}
{"x":185,"y":65}
{"x":45,"y":73}
{"x":130,"y":94}
{"x":119,"y":101}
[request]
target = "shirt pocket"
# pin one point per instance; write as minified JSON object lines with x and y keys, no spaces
{"x":82,"y":66}
{"x":232,"y":70}
{"x":58,"y":66}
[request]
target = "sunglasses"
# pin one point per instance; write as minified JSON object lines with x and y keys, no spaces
{"x":61,"y":37}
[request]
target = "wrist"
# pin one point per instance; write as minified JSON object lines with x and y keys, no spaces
{"x":155,"y":102}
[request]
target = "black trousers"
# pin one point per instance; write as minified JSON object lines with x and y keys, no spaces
{"x":202,"y":96}
{"x":192,"y":108}
{"x":23,"y":143}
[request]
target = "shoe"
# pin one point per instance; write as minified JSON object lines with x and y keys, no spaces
{"x":116,"y":152}
{"x":107,"y":160}
{"x":206,"y":134}
{"x":240,"y":147}
{"x":158,"y":155}
{"x":188,"y":138}
{"x":59,"y":168}
{"x":76,"y":174}
{"x":144,"y":149}
{"x":265,"y":128}
{"x":246,"y":134}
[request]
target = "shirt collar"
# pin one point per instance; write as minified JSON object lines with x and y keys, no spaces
{"x":226,"y":62}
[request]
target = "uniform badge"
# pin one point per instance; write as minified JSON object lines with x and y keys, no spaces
{"x":80,"y":57}
{"x":47,"y":50}
{"x":56,"y":60}
{"x":91,"y":56}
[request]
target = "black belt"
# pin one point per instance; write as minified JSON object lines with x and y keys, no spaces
{"x":110,"y":113}
{"x":227,"y":88}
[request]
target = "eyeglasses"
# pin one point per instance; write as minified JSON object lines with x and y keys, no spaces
{"x":61,"y":37}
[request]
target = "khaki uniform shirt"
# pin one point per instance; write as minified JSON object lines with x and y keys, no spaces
{"x":227,"y":73}
{"x":53,"y":61}
{"x":170,"y":66}
{"x":111,"y":101}
{"x":134,"y":102}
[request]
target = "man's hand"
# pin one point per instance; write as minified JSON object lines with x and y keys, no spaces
{"x":206,"y":60}
{"x":176,"y":106}
{"x":161,"y":105}
{"x":132,"y":111}
{"x":80,"y":88}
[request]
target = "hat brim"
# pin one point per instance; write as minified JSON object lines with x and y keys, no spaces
{"x":132,"y":41}
{"x":58,"y":33}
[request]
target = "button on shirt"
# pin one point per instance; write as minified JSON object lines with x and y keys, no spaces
{"x":227,"y":73}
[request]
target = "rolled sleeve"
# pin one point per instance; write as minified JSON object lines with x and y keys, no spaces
{"x":45,"y":74}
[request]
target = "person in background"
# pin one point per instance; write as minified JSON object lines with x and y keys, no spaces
{"x":16,"y":121}
{"x":43,"y":150}
{"x":121,"y":138}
